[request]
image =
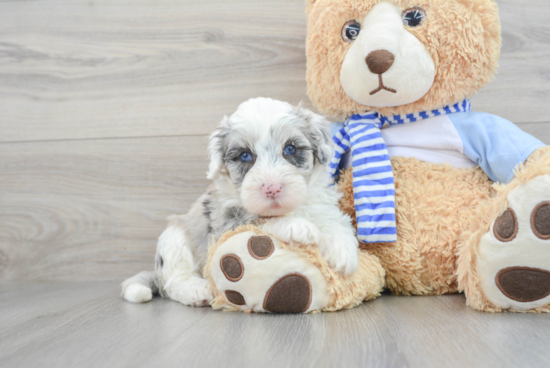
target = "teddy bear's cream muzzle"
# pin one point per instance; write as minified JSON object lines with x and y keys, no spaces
{"x":386,"y":65}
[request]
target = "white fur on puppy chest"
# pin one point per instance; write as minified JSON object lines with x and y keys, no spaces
{"x":412,"y":73}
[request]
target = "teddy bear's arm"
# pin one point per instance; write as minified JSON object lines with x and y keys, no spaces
{"x":495,"y":144}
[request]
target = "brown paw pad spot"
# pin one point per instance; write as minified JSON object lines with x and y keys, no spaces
{"x":506,"y":226}
{"x":232,"y":267}
{"x":260,"y":247}
{"x":235,"y":297}
{"x":540,"y":220}
{"x":289,"y":294}
{"x":524,"y":284}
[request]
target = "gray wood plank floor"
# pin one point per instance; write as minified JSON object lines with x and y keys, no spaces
{"x":105,"y":108}
{"x":87,"y":325}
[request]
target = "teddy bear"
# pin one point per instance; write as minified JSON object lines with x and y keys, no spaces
{"x":444,"y":199}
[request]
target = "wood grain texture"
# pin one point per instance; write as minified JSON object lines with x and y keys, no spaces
{"x":146,"y":68}
{"x":92,"y":209}
{"x":105,"y":108}
{"x":98,"y":69}
{"x":88,"y":325}
{"x":521,"y":90}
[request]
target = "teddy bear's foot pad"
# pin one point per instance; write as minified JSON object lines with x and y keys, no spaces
{"x":235,"y":297}
{"x":514,"y":257}
{"x":290,"y":294}
{"x":255,"y":273}
{"x":524,"y":284}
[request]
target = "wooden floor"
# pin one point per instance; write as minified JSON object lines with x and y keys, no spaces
{"x":86,"y":325}
{"x":105,"y":109}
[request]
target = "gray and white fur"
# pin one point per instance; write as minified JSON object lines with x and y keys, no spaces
{"x":268,"y":167}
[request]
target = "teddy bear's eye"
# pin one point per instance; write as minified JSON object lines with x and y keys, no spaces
{"x":414,"y":17}
{"x":351,"y":30}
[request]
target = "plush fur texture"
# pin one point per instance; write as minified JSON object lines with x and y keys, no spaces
{"x":462,"y":36}
{"x":469,"y":281}
{"x":423,"y":260}
{"x":445,"y":215}
{"x":439,"y":234}
{"x":385,"y":46}
{"x":344,"y":291}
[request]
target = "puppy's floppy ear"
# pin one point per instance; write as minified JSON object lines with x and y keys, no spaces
{"x":318,"y":133}
{"x":216,"y":150}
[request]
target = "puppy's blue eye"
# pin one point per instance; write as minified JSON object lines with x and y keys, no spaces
{"x":246,"y":156}
{"x":290,"y":150}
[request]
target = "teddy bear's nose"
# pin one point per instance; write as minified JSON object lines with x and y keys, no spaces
{"x":379,"y":61}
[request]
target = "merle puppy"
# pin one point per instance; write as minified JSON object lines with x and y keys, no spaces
{"x":268,"y":164}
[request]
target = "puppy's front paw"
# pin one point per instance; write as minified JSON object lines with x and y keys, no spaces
{"x":303,"y":232}
{"x":293,"y":230}
{"x":340,"y":253}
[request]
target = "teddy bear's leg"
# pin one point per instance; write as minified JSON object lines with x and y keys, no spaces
{"x":255,"y":273}
{"x":504,"y":262}
{"x":252,"y":271}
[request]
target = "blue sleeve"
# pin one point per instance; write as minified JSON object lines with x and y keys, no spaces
{"x":494,"y":143}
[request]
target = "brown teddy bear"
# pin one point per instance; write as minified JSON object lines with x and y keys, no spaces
{"x":444,"y":199}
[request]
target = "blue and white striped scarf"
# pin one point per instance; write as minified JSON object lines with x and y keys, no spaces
{"x":373,"y":183}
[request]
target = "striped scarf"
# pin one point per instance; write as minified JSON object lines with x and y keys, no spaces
{"x":373,"y":182}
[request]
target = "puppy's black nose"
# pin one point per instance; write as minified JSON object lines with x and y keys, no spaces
{"x":379,"y":61}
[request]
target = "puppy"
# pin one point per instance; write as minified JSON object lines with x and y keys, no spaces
{"x":268,"y":164}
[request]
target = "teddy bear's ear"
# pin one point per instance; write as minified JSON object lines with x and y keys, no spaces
{"x":216,"y":150}
{"x":309,"y":4}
